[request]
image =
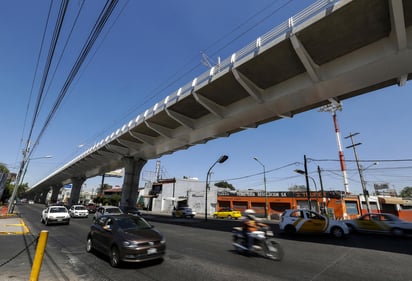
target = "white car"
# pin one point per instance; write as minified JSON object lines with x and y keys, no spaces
{"x":55,"y":214}
{"x":183,"y":212}
{"x":306,"y":221}
{"x":106,"y":210}
{"x":78,"y":211}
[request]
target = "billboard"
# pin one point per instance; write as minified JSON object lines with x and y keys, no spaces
{"x":380,"y":186}
{"x":115,"y":174}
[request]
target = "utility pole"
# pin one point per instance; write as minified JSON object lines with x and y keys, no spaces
{"x":307,"y":182}
{"x":365,"y":191}
{"x":19,"y":177}
{"x":323,"y":208}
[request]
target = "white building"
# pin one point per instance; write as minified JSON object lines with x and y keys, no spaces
{"x":165,"y":194}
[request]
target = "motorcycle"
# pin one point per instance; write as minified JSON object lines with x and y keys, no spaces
{"x":264,"y":244}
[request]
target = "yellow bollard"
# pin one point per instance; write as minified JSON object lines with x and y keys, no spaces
{"x":38,"y":257}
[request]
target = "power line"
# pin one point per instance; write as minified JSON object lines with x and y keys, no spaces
{"x":178,"y":75}
{"x":105,"y":14}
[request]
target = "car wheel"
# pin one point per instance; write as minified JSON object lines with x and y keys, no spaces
{"x":46,"y":222}
{"x":114,"y":257}
{"x":397,"y":232}
{"x":89,"y":245}
{"x":290,"y":229}
{"x":229,"y":217}
{"x":337,"y":232}
{"x":215,"y":216}
{"x":41,"y":220}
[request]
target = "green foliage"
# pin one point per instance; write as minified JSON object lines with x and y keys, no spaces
{"x":3,"y":168}
{"x":105,"y":187}
{"x":8,"y":188}
{"x":225,"y":184}
{"x":110,"y":200}
{"x":114,"y":200}
{"x":406,"y":192}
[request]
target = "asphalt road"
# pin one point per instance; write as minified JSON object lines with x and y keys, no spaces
{"x":198,"y":250}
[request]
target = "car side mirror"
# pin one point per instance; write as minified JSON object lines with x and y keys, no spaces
{"x":107,"y":227}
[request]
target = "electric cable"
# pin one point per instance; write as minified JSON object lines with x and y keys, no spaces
{"x":105,"y":14}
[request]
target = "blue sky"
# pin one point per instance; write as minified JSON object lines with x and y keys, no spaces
{"x":147,"y":50}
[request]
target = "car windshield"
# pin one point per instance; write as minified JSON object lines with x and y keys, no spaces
{"x":135,"y":223}
{"x":58,"y":210}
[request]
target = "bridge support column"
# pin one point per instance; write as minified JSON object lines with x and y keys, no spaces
{"x":55,"y":193}
{"x":43,"y":196}
{"x":76,"y":188}
{"x":132,"y":169}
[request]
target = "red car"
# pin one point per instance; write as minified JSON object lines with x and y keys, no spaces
{"x":91,"y":208}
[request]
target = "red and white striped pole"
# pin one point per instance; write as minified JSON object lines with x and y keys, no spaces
{"x":333,"y":107}
{"x":341,"y":156}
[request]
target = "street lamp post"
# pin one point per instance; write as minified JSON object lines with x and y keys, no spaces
{"x":314,"y":183}
{"x":221,"y":159}
{"x":264,"y":184}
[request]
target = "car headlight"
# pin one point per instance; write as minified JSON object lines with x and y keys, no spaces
{"x":130,"y":244}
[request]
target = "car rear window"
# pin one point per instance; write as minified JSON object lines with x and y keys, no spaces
{"x":133,"y":223}
{"x":58,"y":210}
{"x":113,"y":210}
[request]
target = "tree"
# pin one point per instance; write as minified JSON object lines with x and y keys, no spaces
{"x":3,"y":168}
{"x":102,"y":189}
{"x":225,"y":184}
{"x":406,"y":192}
{"x":5,"y":186}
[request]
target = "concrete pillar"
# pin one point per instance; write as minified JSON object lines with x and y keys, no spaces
{"x":43,"y":196}
{"x":76,"y":188}
{"x":55,"y":193}
{"x":132,"y":169}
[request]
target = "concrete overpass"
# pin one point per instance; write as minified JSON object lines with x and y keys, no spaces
{"x":331,"y":51}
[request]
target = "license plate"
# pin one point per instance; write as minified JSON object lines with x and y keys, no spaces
{"x":152,"y":251}
{"x":59,"y":219}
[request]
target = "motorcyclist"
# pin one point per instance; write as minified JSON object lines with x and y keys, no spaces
{"x":250,"y":225}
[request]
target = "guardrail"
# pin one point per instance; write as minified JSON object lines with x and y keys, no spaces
{"x":270,"y":37}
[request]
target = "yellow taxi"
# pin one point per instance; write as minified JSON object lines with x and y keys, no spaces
{"x":226,"y":213}
{"x":383,"y":223}
{"x":307,"y":221}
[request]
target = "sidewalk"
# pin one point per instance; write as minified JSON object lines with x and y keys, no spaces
{"x":12,"y":224}
{"x":18,"y":249}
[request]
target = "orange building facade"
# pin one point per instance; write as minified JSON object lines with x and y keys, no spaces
{"x":335,"y":204}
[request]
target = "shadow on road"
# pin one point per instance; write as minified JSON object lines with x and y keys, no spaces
{"x":402,"y":245}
